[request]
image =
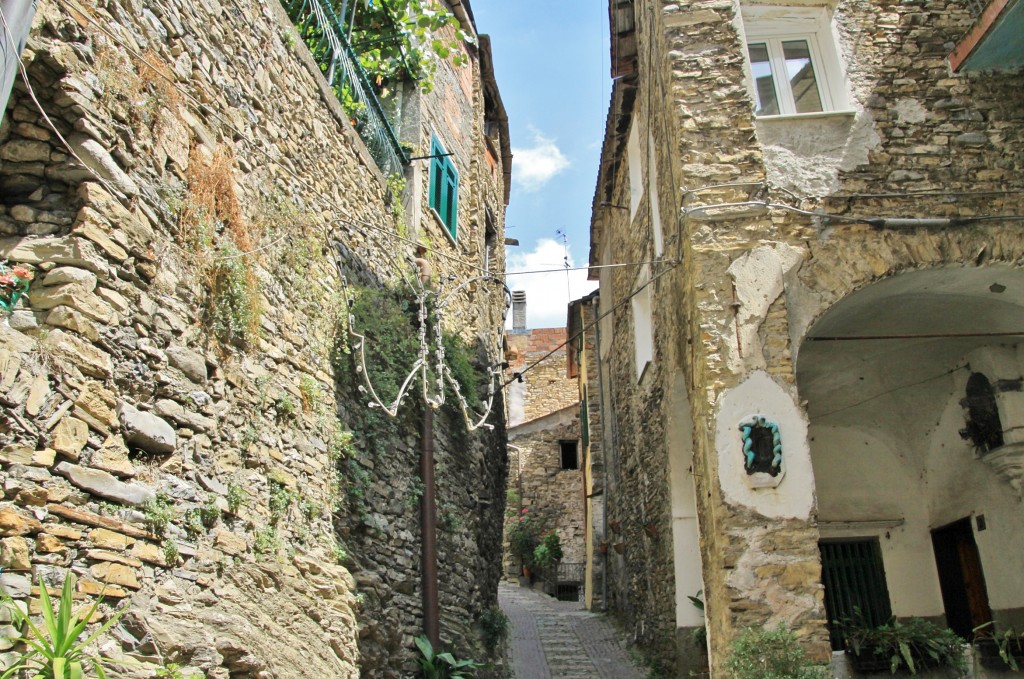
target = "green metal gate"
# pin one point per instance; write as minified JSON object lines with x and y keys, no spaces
{"x":855,"y":588}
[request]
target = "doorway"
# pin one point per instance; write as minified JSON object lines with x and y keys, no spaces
{"x":961,"y":579}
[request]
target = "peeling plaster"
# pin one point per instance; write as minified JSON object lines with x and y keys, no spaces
{"x":807,"y":155}
{"x":758,"y":279}
{"x":910,"y":111}
{"x":759,"y":394}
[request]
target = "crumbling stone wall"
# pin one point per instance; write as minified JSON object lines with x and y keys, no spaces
{"x":924,"y":142}
{"x":209,"y":459}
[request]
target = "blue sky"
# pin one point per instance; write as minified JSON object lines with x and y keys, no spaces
{"x":551,"y":64}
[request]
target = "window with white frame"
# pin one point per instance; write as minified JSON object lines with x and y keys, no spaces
{"x":793,"y":61}
{"x":652,"y":192}
{"x":643,"y":327}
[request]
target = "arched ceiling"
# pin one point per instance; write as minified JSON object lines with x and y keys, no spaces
{"x":884,"y":357}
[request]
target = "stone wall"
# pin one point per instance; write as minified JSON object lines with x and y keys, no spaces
{"x":182,"y":422}
{"x":738,"y":291}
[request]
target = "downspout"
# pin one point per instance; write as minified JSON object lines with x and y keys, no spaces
{"x":604,"y":461}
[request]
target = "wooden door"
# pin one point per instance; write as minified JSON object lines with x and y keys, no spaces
{"x":964,"y":594}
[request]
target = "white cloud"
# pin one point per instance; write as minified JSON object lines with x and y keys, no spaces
{"x":534,"y":167}
{"x":547,"y":294}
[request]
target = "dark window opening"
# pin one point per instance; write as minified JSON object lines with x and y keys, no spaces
{"x":855,"y":589}
{"x":761,"y":457}
{"x":984,"y":429}
{"x":570,"y":456}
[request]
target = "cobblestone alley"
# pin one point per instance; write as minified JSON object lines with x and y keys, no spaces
{"x":562,"y":640}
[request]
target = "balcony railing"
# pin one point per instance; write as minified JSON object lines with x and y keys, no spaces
{"x":324,"y":35}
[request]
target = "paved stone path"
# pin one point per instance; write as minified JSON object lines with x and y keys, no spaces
{"x":553,"y":639}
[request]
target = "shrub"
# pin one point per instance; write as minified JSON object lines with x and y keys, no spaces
{"x":494,"y":628}
{"x":523,"y":536}
{"x":549,"y":550}
{"x":769,"y":654}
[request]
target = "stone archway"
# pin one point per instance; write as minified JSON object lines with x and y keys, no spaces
{"x":884,"y":376}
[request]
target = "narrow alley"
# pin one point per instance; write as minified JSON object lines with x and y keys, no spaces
{"x":562,"y":640}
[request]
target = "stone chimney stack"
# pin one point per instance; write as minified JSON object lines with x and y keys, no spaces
{"x":519,"y":311}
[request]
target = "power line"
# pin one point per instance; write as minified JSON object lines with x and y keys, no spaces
{"x":517,"y":375}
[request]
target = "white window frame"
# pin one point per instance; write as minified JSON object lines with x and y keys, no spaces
{"x":652,"y":193}
{"x":643,"y":324}
{"x":773,"y":25}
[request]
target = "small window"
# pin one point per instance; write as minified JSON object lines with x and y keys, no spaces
{"x":855,"y":588}
{"x":444,"y":187}
{"x":793,"y":61}
{"x":570,"y":455}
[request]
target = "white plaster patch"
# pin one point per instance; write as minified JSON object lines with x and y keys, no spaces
{"x":807,"y":155}
{"x":758,"y":278}
{"x":910,"y":111}
{"x":759,"y":394}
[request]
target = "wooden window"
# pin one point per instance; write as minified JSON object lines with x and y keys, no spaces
{"x":570,"y":454}
{"x":444,"y":187}
{"x":855,"y":589}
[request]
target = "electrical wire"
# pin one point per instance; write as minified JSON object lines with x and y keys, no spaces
{"x":890,"y":391}
{"x":518,"y":374}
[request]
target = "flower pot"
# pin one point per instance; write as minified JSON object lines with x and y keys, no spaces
{"x":986,"y":650}
{"x":869,"y":662}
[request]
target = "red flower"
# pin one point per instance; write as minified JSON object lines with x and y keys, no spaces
{"x":22,"y":273}
{"x":8,"y":280}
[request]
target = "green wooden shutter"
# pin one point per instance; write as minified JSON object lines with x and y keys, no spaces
{"x":855,"y":588}
{"x":451,"y":198}
{"x":436,"y":174}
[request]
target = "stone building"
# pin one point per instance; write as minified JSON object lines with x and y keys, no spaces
{"x":819,"y":365}
{"x":545,"y":466}
{"x":183,"y":421}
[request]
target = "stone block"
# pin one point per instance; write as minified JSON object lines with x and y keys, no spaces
{"x":14,"y":554}
{"x":112,"y":457}
{"x":13,"y":522}
{"x":91,"y":360}
{"x":69,"y":250}
{"x":104,"y":484}
{"x":49,"y":544}
{"x":116,"y":574}
{"x":71,"y":319}
{"x":74,"y":296}
{"x":192,"y":363}
{"x":62,"y":275}
{"x":69,"y":437}
{"x":145,"y":430}
{"x":108,"y":539}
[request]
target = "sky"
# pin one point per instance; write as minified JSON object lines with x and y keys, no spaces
{"x":551,"y":64}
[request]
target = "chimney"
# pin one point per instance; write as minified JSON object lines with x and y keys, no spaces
{"x":519,"y":311}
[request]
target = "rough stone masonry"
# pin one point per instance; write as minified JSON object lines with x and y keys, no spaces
{"x":233,"y":495}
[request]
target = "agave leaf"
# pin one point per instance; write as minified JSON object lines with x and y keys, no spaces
{"x":908,"y":657}
{"x":426,"y":648}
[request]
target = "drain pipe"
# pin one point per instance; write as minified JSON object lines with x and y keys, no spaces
{"x":604,"y":460}
{"x":428,"y":529}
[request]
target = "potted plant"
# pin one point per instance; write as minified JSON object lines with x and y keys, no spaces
{"x":523,"y":538}
{"x":911,"y":645}
{"x":548,"y":551}
{"x":998,"y":650}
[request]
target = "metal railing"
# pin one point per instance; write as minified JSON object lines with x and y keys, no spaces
{"x":323,"y":33}
{"x":565,"y":581}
